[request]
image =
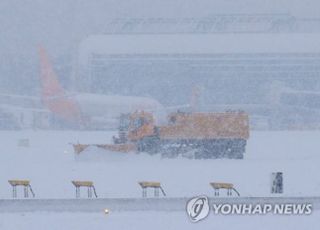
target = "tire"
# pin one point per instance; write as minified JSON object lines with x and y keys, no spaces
{"x":223,"y":148}
{"x":149,"y":145}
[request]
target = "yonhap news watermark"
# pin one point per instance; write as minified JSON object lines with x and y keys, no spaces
{"x":262,"y":209}
{"x":198,"y":208}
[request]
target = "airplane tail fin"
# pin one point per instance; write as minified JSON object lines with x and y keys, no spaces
{"x":54,"y":96}
{"x":49,"y":80}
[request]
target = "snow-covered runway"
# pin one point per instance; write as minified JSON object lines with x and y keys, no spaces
{"x":50,"y":164}
{"x":137,"y":204}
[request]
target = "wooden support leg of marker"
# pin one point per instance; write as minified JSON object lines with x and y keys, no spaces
{"x":144,"y":192}
{"x":89,"y":192}
{"x":14,"y":191}
{"x":156,"y":192}
{"x":77,"y":192}
{"x":25,"y":189}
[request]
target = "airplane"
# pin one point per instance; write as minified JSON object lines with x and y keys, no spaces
{"x":75,"y":109}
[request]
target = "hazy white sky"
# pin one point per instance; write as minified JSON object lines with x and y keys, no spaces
{"x":170,"y":8}
{"x":61,"y":24}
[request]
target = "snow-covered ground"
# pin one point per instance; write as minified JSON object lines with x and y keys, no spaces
{"x":152,"y":221}
{"x":50,"y":164}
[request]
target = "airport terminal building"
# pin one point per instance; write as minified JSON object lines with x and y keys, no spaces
{"x":258,"y":73}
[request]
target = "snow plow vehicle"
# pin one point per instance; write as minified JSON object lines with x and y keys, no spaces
{"x":192,"y":135}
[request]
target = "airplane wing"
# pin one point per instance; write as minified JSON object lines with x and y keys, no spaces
{"x":23,"y":101}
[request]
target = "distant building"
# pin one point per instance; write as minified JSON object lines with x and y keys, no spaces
{"x":251,"y":72}
{"x":216,"y":23}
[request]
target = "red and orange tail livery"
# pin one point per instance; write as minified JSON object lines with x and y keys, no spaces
{"x":54,"y":96}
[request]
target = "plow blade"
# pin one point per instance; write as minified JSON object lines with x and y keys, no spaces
{"x":124,"y":148}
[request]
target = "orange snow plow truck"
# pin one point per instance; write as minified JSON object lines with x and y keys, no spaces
{"x":192,"y":135}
